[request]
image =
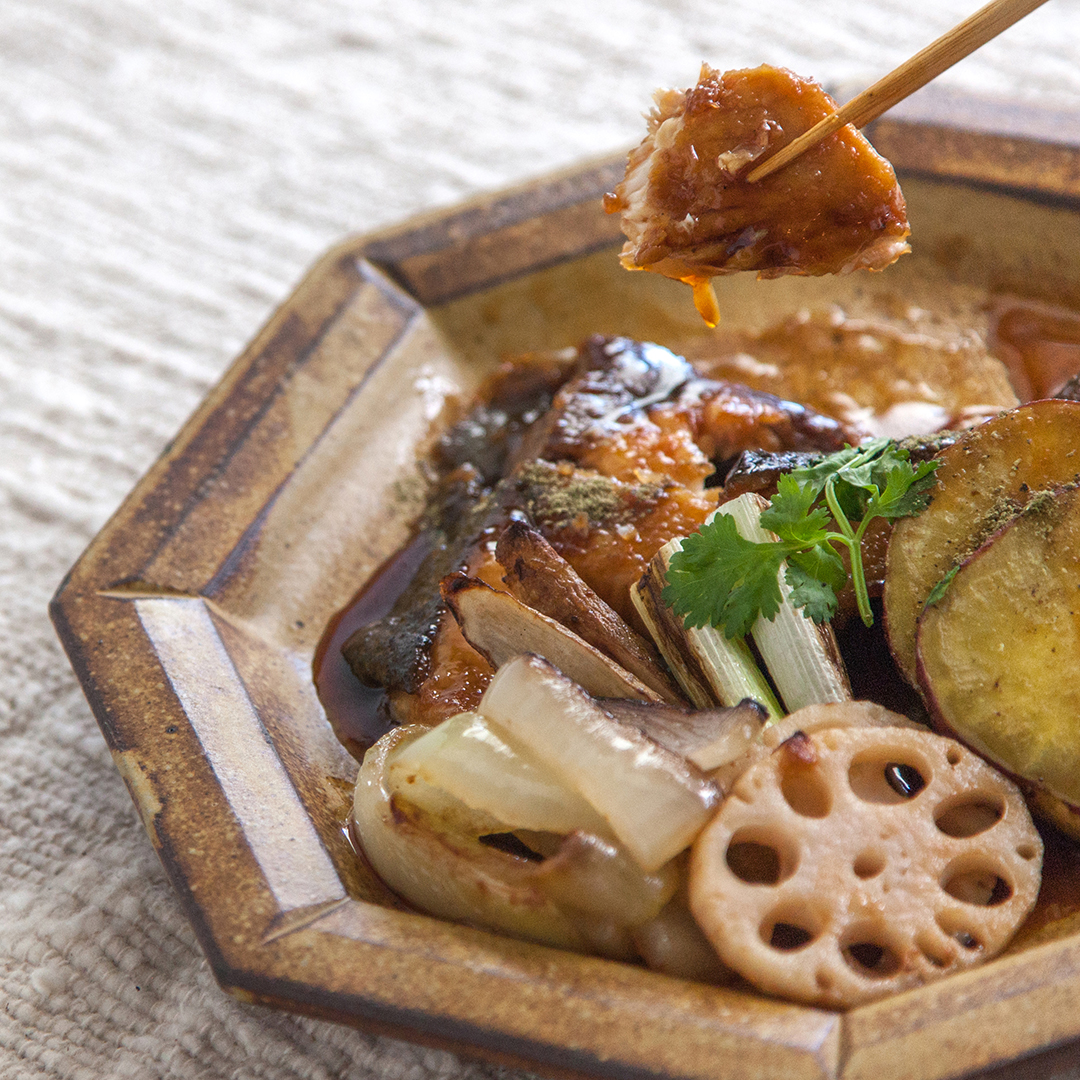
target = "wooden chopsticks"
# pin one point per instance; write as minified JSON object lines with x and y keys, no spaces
{"x":954,"y":45}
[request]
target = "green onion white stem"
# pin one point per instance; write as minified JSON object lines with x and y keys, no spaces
{"x":802,"y":657}
{"x":727,"y":666}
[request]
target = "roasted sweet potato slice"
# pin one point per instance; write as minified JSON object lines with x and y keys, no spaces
{"x":982,"y":482}
{"x":999,"y":654}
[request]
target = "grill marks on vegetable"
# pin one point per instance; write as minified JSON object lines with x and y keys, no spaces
{"x":510,"y":844}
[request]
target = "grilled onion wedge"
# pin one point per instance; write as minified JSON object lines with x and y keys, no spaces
{"x":654,"y":801}
{"x":447,"y":858}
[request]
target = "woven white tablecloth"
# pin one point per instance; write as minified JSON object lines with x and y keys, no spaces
{"x":168,"y":171}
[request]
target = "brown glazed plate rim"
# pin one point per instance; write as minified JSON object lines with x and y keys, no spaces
{"x":172,"y":620}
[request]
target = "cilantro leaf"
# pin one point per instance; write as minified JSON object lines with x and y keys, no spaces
{"x":822,"y":562}
{"x":818,"y":473}
{"x":816,"y":598}
{"x":790,"y":516}
{"x":906,"y":491}
{"x":862,"y":470}
{"x":720,"y":579}
{"x":723,"y":580}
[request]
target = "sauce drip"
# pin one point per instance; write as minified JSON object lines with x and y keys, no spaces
{"x":905,"y":780}
{"x":357,"y":713}
{"x":708,"y":307}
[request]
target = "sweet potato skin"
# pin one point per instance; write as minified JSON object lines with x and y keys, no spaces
{"x":982,"y":482}
{"x":998,"y":655}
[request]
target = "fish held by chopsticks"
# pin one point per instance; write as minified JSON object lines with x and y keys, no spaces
{"x":689,"y":213}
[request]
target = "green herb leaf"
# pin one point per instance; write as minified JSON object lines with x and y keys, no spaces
{"x":822,"y":562}
{"x":861,"y":471}
{"x":816,"y":598}
{"x":941,"y":588}
{"x":906,"y":491}
{"x":791,"y":514}
{"x":722,"y":580}
{"x":719,"y":579}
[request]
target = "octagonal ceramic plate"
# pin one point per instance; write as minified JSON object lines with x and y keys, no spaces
{"x":193,"y":620}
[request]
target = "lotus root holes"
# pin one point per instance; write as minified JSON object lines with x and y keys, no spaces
{"x":977,"y":885}
{"x":868,"y":864}
{"x":761,"y":858}
{"x":789,"y":937}
{"x":954,"y":928}
{"x":804,"y":789}
{"x":905,"y":780}
{"x":864,"y":863}
{"x":936,"y":951}
{"x":867,"y":950}
{"x":878,"y":777}
{"x":791,"y":927}
{"x":970,"y":815}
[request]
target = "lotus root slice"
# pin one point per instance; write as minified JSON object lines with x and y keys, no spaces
{"x":857,"y":862}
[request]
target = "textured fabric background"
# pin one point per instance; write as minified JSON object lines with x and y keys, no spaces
{"x":167,"y":173}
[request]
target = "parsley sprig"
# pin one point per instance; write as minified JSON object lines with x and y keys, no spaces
{"x":723,"y":580}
